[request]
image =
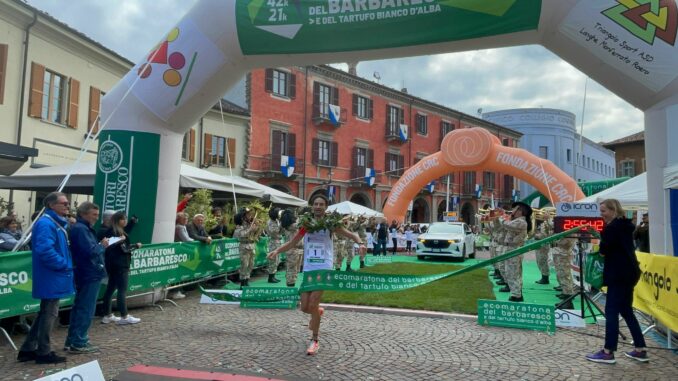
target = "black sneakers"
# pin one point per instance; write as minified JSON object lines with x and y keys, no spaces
{"x":515,"y":299}
{"x":50,"y":358}
{"x":24,"y":356}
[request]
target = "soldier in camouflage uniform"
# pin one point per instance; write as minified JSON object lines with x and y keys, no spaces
{"x":293,"y":257}
{"x":544,"y":230}
{"x":341,"y":251}
{"x":360,"y":227}
{"x":516,"y":234}
{"x":247,"y":233}
{"x":562,"y":260}
{"x":500,"y":249}
{"x":493,"y":250}
{"x":274,"y":232}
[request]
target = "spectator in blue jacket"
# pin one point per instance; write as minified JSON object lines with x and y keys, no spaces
{"x":52,"y":278}
{"x":88,"y":258}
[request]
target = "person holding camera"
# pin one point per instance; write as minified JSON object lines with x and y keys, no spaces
{"x":620,"y":274}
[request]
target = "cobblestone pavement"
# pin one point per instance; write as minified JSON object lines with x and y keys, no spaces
{"x":353,"y":346}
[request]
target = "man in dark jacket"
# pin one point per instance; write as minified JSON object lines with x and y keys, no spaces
{"x":642,"y":235}
{"x":88,"y":258}
{"x":382,"y":237}
{"x":196,"y":229}
{"x":52,"y":277}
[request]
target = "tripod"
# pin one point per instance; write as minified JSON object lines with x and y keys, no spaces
{"x":585,"y":301}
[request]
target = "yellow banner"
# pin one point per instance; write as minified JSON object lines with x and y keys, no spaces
{"x":657,"y":291}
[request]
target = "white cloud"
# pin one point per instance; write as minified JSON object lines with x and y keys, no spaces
{"x":528,"y":76}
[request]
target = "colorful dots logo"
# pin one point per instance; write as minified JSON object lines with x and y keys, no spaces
{"x":172,"y":64}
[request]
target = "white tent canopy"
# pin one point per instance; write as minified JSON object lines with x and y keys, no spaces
{"x":630,"y":193}
{"x":82,"y":182}
{"x":348,"y":207}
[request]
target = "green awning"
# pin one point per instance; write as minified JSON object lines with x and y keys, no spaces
{"x":588,"y":187}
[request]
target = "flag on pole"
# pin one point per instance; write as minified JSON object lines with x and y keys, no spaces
{"x":403,"y":132}
{"x":370,"y":174}
{"x":334,"y":112}
{"x":331,"y":193}
{"x":430,"y":187}
{"x":492,"y":206}
{"x":287,"y":165}
{"x":479,"y":190}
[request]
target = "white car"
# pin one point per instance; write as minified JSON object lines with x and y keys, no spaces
{"x":447,"y":239}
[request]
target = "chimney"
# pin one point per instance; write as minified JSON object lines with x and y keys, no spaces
{"x":353,"y":68}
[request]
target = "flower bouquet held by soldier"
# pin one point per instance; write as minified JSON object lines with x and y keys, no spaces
{"x":317,"y":231}
{"x":247,"y":231}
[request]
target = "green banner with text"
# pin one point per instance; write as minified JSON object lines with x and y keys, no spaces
{"x":517,"y":315}
{"x":154,"y":265}
{"x":123,"y":170}
{"x":284,"y":27}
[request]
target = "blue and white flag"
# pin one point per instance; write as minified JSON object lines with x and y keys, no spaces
{"x":403,"y":132}
{"x":370,"y":174}
{"x":334,"y":112}
{"x":479,"y":190}
{"x":515,"y":195}
{"x":331,"y":193}
{"x":454,"y":200}
{"x":287,"y":165}
{"x":492,"y":205}
{"x":430,"y":187}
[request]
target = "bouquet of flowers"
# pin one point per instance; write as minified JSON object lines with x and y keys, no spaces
{"x":329,"y":221}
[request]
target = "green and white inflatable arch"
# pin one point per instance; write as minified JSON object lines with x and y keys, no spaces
{"x":626,"y":45}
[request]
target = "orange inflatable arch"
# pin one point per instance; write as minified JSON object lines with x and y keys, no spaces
{"x":473,"y":149}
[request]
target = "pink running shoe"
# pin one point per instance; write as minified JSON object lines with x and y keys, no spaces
{"x":313,"y":348}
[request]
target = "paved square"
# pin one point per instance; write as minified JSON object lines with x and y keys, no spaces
{"x":353,"y":346}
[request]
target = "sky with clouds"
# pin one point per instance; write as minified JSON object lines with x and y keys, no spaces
{"x":491,"y":80}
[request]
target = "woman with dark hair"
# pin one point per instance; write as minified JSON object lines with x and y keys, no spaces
{"x":620,"y":275}
{"x":10,"y":234}
{"x":118,"y":258}
{"x":318,"y":255}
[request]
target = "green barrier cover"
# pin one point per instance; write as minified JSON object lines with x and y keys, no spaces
{"x":313,"y":26}
{"x":154,"y":265}
{"x":373,"y":260}
{"x":517,"y":315}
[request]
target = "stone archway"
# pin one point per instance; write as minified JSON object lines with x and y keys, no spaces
{"x":361,"y":199}
{"x":421,"y":211}
{"x":468,"y":213}
{"x":442,"y":209}
{"x":281,"y":188}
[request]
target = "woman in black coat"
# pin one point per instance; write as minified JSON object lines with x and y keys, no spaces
{"x":620,"y":275}
{"x":118,"y":258}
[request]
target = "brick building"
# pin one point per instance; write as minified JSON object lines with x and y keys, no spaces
{"x":629,"y":154}
{"x":336,"y":125}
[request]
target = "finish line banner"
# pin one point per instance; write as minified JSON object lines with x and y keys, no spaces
{"x":154,"y":265}
{"x":655,"y":294}
{"x":366,"y":282}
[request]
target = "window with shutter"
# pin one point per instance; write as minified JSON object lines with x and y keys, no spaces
{"x":334,"y":152}
{"x":36,"y":94}
{"x":3,"y":71}
{"x":277,"y":149}
{"x":94,"y":108}
{"x":73,"y":100}
{"x":315,"y":151}
{"x":401,"y":165}
{"x":292,"y":86}
{"x":231,"y":153}
{"x":268,"y":80}
{"x":422,"y":124}
{"x":291,"y":144}
{"x":361,"y":107}
{"x":50,"y":98}
{"x":207,"y":150}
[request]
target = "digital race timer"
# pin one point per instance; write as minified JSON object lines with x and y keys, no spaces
{"x":563,"y":223}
